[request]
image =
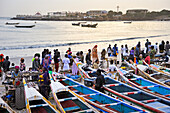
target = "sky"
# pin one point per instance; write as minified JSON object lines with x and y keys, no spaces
{"x":10,"y":8}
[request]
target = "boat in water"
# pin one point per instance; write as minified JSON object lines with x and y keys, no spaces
{"x":67,"y":101}
{"x":127,"y":22}
{"x":24,"y":26}
{"x":89,"y":25}
{"x":10,"y":23}
{"x":76,"y":24}
{"x":35,"y":102}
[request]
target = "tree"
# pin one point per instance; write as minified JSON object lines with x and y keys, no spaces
{"x":110,"y":14}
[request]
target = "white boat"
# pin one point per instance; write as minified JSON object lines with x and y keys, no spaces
{"x":36,"y":102}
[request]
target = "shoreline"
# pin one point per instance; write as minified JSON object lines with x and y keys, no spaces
{"x":100,"y":20}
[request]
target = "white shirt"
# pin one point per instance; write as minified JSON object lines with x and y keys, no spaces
{"x":66,"y":62}
{"x":123,"y":50}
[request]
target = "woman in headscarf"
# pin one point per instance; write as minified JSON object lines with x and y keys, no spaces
{"x":94,"y":54}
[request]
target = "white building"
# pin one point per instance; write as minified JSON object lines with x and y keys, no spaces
{"x":137,"y":11}
{"x":97,"y":13}
{"x":57,"y":14}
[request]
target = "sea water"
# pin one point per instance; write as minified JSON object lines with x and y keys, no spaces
{"x":25,"y":42}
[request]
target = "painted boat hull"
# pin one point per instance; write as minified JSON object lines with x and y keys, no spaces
{"x":67,"y":101}
{"x":144,"y":84}
{"x":135,"y":96}
{"x":101,"y":101}
{"x":148,"y":76}
{"x":36,"y":102}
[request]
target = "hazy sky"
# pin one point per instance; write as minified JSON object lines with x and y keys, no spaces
{"x":10,"y":8}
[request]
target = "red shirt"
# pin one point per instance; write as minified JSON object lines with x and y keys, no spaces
{"x":147,"y":60}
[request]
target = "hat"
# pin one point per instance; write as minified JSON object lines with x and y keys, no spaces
{"x":16,"y":67}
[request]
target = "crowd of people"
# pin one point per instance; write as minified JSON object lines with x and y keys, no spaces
{"x":91,"y":58}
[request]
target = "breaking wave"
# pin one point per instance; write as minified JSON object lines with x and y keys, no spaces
{"x":74,"y":43}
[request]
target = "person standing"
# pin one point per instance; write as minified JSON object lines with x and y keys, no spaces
{"x":167,"y":47}
{"x":88,"y":57}
{"x":81,"y":57}
{"x":66,"y":62}
{"x":122,"y":51}
{"x":103,"y":54}
{"x":56,"y":59}
{"x":137,"y":51}
{"x":100,"y":81}
{"x":152,"y":52}
{"x":74,"y":67}
{"x":94,"y":54}
{"x":36,"y":64}
{"x":109,"y":50}
{"x":44,"y":83}
{"x":6,"y":65}
{"x":115,"y":50}
{"x":45,"y":62}
{"x":156,"y":47}
{"x":131,"y":56}
{"x":22,"y":65}
{"x":162,"y":47}
{"x":146,"y":45}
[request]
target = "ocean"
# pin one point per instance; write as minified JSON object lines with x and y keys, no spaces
{"x":25,"y":42}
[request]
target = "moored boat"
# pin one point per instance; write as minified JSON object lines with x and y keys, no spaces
{"x":135,"y":96}
{"x":5,"y":108}
{"x":35,"y":102}
{"x":129,"y":94}
{"x":67,"y":101}
{"x":12,"y":23}
{"x":76,"y":24}
{"x":158,"y":68}
{"x":24,"y":26}
{"x":150,"y":74}
{"x":89,"y":25}
{"x":127,"y":22}
{"x":144,"y":84}
{"x":99,"y":100}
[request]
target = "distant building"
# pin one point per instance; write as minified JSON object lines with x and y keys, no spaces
{"x":57,"y":14}
{"x":97,"y":13}
{"x":36,"y":16}
{"x":136,"y":11}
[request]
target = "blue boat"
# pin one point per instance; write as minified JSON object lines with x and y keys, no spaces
{"x":148,"y":73}
{"x":144,"y":84}
{"x":128,"y":93}
{"x":101,"y":101}
{"x":67,"y":101}
{"x":136,"y":96}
